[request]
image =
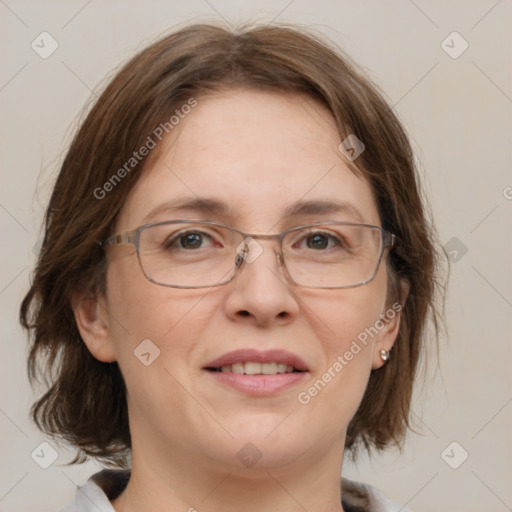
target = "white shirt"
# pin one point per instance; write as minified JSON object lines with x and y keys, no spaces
{"x":96,"y":494}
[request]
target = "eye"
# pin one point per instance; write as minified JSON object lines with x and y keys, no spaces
{"x":319,"y":241}
{"x":191,"y":239}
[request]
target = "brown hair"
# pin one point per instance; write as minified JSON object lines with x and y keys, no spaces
{"x":85,"y":402}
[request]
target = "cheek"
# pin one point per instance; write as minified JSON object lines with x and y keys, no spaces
{"x":139,"y":310}
{"x":348,"y":315}
{"x":344,"y":323}
{"x":154,"y":330}
{"x":348,"y":342}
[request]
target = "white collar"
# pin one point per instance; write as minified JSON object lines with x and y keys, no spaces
{"x":95,"y":495}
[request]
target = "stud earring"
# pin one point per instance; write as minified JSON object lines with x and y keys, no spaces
{"x":384,"y":354}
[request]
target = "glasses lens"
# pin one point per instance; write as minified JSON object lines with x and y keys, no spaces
{"x":333,"y":256}
{"x":194,"y":254}
{"x":188,"y":254}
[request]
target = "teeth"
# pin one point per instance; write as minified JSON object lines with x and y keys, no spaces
{"x":281,"y":367}
{"x":237,"y":368}
{"x":269,"y":368}
{"x":253,"y":368}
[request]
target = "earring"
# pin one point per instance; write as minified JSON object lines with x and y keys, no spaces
{"x":384,"y":354}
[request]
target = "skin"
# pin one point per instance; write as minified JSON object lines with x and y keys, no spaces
{"x":258,"y":152}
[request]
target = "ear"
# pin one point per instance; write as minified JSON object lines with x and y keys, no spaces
{"x":390,"y":323}
{"x":93,"y":323}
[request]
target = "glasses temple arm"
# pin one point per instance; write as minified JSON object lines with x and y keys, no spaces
{"x":122,"y":238}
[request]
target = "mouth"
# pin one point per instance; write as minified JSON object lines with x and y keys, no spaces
{"x":257,"y":362}
{"x":258,"y":373}
{"x":255,"y":368}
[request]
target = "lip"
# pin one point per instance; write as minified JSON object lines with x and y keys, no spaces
{"x":258,"y":385}
{"x":258,"y":356}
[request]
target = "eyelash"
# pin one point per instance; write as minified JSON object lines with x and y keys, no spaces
{"x":170,"y":241}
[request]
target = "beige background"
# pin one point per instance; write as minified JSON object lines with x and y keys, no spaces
{"x":458,"y":111}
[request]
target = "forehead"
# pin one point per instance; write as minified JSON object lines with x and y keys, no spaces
{"x":259,"y":155}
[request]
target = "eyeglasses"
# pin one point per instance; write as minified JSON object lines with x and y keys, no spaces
{"x":200,"y":254}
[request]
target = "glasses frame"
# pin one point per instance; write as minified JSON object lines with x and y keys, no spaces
{"x":388,"y":240}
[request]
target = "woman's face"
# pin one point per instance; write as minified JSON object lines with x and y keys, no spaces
{"x":256,"y":154}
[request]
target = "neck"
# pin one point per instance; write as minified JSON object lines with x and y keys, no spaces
{"x":190,"y":482}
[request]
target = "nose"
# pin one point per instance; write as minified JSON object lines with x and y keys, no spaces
{"x":260,"y":293}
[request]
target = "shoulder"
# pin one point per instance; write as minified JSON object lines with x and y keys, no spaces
{"x":98,"y":491}
{"x":108,"y":484}
{"x":360,"y":497}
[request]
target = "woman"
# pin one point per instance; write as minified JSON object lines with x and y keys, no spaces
{"x":235,"y":279}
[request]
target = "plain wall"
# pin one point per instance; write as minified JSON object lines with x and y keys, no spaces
{"x":458,"y":113}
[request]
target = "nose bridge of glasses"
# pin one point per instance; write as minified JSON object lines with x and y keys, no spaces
{"x":253,"y":246}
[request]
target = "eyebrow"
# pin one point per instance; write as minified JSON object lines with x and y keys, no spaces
{"x":218,"y":208}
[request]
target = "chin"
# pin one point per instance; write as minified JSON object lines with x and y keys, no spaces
{"x":267,"y":444}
